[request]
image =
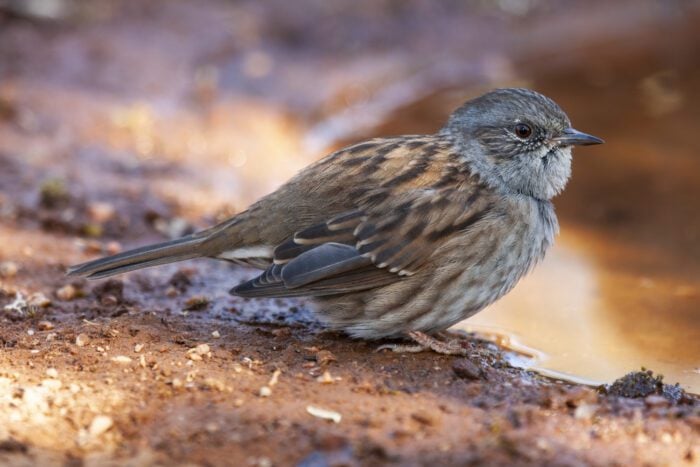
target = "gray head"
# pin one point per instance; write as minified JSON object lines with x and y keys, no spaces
{"x":517,"y":140}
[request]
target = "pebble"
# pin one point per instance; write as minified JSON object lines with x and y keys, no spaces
{"x":38,"y":300}
{"x":325,"y":414}
{"x":100,"y":212}
{"x":81,"y":340}
{"x":324,"y":357}
{"x":265,"y":391}
{"x":52,"y":372}
{"x":424,"y":418}
{"x":466,"y":369}
{"x":122,"y":359}
{"x":196,"y":303}
{"x":112,"y":248}
{"x":8,"y":269}
{"x":585,"y":411}
{"x":53,"y":384}
{"x":67,"y":293}
{"x":45,"y":325}
{"x":109,"y":300}
{"x":100,"y":425}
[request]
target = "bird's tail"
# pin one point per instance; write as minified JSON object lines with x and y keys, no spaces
{"x":147,"y":256}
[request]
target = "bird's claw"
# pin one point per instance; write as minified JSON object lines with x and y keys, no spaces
{"x":450,"y":346}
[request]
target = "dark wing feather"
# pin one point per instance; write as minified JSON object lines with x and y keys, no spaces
{"x":368,"y":248}
{"x":339,"y":229}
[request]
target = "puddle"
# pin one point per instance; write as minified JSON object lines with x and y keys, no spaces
{"x":572,"y":326}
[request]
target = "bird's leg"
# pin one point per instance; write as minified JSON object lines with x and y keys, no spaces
{"x":448,"y":346}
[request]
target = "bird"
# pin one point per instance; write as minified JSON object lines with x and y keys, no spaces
{"x":400,"y":236}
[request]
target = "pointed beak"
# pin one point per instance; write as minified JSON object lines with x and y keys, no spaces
{"x":571,"y":137}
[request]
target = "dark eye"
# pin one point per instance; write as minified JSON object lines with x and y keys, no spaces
{"x":522,"y":130}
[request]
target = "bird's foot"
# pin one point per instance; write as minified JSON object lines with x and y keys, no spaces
{"x":423,"y":342}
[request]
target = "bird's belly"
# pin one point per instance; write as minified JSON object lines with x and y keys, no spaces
{"x":458,"y":285}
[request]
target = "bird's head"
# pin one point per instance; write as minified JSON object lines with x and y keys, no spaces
{"x":517,"y":140}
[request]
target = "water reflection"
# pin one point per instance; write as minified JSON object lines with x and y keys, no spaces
{"x":592,"y":325}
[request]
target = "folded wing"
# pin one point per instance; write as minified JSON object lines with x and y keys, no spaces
{"x":369,"y":247}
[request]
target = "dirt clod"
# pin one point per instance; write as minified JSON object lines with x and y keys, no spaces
{"x":110,"y":293}
{"x":466,"y":369}
{"x":640,"y":384}
{"x":325,"y":357}
{"x":54,"y":193}
{"x":196,"y":303}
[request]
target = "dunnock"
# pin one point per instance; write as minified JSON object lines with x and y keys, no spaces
{"x":403,"y":235}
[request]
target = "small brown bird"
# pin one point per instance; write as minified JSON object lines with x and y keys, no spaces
{"x":403,"y":235}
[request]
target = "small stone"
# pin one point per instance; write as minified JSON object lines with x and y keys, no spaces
{"x":81,"y":340}
{"x":327,"y":378}
{"x":100,"y":212}
{"x":52,"y":372}
{"x":138,"y":348}
{"x":100,"y":425}
{"x":92,"y":229}
{"x":38,"y":300}
{"x":213,"y":383}
{"x":265,"y":391}
{"x":324,"y":413}
{"x":53,"y":193}
{"x":112,"y":248}
{"x":324,"y":357}
{"x":122,"y":359}
{"x":466,"y":369}
{"x":45,"y":325}
{"x":109,"y":300}
{"x":424,"y":418}
{"x":67,"y":293}
{"x":8,"y":269}
{"x":585,"y":411}
{"x":53,"y":384}
{"x":215,"y":334}
{"x":196,"y":303}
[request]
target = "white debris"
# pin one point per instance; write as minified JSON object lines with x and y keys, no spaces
{"x":122,"y":359}
{"x":100,"y":424}
{"x":324,"y":413}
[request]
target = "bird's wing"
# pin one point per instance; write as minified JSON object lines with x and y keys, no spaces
{"x":369,"y":247}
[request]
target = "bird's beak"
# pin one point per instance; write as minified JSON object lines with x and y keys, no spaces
{"x":570,"y":137}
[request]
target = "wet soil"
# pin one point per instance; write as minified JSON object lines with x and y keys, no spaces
{"x":126,"y":122}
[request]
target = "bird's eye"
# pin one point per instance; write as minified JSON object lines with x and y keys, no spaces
{"x":523,"y":131}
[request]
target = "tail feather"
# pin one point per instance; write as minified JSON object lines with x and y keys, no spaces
{"x":147,"y":256}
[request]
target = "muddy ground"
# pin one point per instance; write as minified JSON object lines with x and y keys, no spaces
{"x":123,"y":123}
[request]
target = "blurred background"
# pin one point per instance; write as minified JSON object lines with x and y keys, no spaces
{"x":126,"y":121}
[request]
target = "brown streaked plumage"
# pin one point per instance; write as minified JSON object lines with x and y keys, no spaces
{"x":401,"y":234}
